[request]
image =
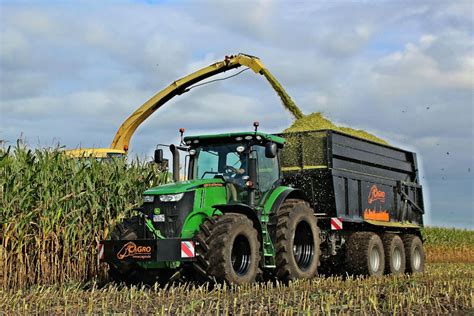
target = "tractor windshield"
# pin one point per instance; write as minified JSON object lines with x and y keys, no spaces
{"x":228,"y":161}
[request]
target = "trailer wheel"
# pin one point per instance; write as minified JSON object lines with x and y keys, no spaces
{"x":394,"y":254}
{"x":414,"y":253}
{"x":365,"y":254}
{"x":234,"y":250}
{"x":297,"y":241}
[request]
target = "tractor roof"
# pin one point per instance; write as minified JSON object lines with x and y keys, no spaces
{"x":233,"y":136}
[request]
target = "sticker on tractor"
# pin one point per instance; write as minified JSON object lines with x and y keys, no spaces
{"x":158,"y":218}
{"x":336,"y":223}
{"x":131,"y":250}
{"x":187,"y":249}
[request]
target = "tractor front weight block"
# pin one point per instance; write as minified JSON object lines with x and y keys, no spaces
{"x":147,"y":250}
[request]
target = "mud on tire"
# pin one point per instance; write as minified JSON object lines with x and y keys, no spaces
{"x":365,"y":254}
{"x":414,"y":253}
{"x":297,"y":241}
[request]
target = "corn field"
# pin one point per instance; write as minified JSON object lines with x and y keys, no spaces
{"x":449,"y":244}
{"x":54,"y":210}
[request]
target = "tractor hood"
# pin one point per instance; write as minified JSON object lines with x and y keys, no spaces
{"x":183,"y":186}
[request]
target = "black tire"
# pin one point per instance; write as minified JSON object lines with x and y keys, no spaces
{"x":365,"y":254}
{"x":131,"y":273}
{"x":414,"y":253}
{"x":297,"y":241}
{"x":202,"y":241}
{"x":233,"y":253}
{"x":394,"y":249}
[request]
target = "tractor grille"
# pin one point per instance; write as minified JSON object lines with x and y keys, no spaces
{"x":175,"y":214}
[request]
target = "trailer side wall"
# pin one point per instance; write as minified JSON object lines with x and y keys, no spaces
{"x":354,"y":179}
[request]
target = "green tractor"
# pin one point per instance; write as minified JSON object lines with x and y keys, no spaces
{"x":230,"y":221}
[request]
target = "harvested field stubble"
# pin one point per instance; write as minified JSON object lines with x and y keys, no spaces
{"x":442,"y":289}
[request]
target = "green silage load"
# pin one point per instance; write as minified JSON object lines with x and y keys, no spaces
{"x":316,"y":121}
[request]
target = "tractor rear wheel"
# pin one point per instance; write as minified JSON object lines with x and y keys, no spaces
{"x":233,"y":253}
{"x":394,"y":254}
{"x":297,"y":241}
{"x":414,"y":253}
{"x":365,"y":254}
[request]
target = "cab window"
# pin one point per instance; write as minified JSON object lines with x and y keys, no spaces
{"x":267,"y":170}
{"x":207,"y":165}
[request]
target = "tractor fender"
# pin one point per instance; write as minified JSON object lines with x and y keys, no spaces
{"x":279,"y":196}
{"x":244,"y":210}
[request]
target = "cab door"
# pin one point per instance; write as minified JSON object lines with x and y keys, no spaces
{"x":268,"y":173}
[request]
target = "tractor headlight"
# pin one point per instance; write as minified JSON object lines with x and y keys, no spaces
{"x":148,"y":198}
{"x":171,"y":197}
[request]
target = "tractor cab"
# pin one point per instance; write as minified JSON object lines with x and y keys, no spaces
{"x":246,"y":162}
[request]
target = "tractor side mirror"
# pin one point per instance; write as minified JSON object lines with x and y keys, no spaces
{"x":270,"y":150}
{"x":158,"y":156}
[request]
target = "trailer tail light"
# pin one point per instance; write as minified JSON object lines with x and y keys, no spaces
{"x":100,"y":252}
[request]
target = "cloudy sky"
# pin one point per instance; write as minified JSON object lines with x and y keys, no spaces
{"x":72,"y":71}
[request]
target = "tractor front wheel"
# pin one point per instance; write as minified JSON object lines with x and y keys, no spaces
{"x":233,"y":250}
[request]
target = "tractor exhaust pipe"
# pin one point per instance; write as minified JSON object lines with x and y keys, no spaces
{"x":175,"y":152}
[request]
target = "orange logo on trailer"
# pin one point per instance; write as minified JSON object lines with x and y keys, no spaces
{"x":376,"y":215}
{"x":130,"y":249}
{"x":376,"y":195}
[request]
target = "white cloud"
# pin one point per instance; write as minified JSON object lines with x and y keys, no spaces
{"x":413,"y":70}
